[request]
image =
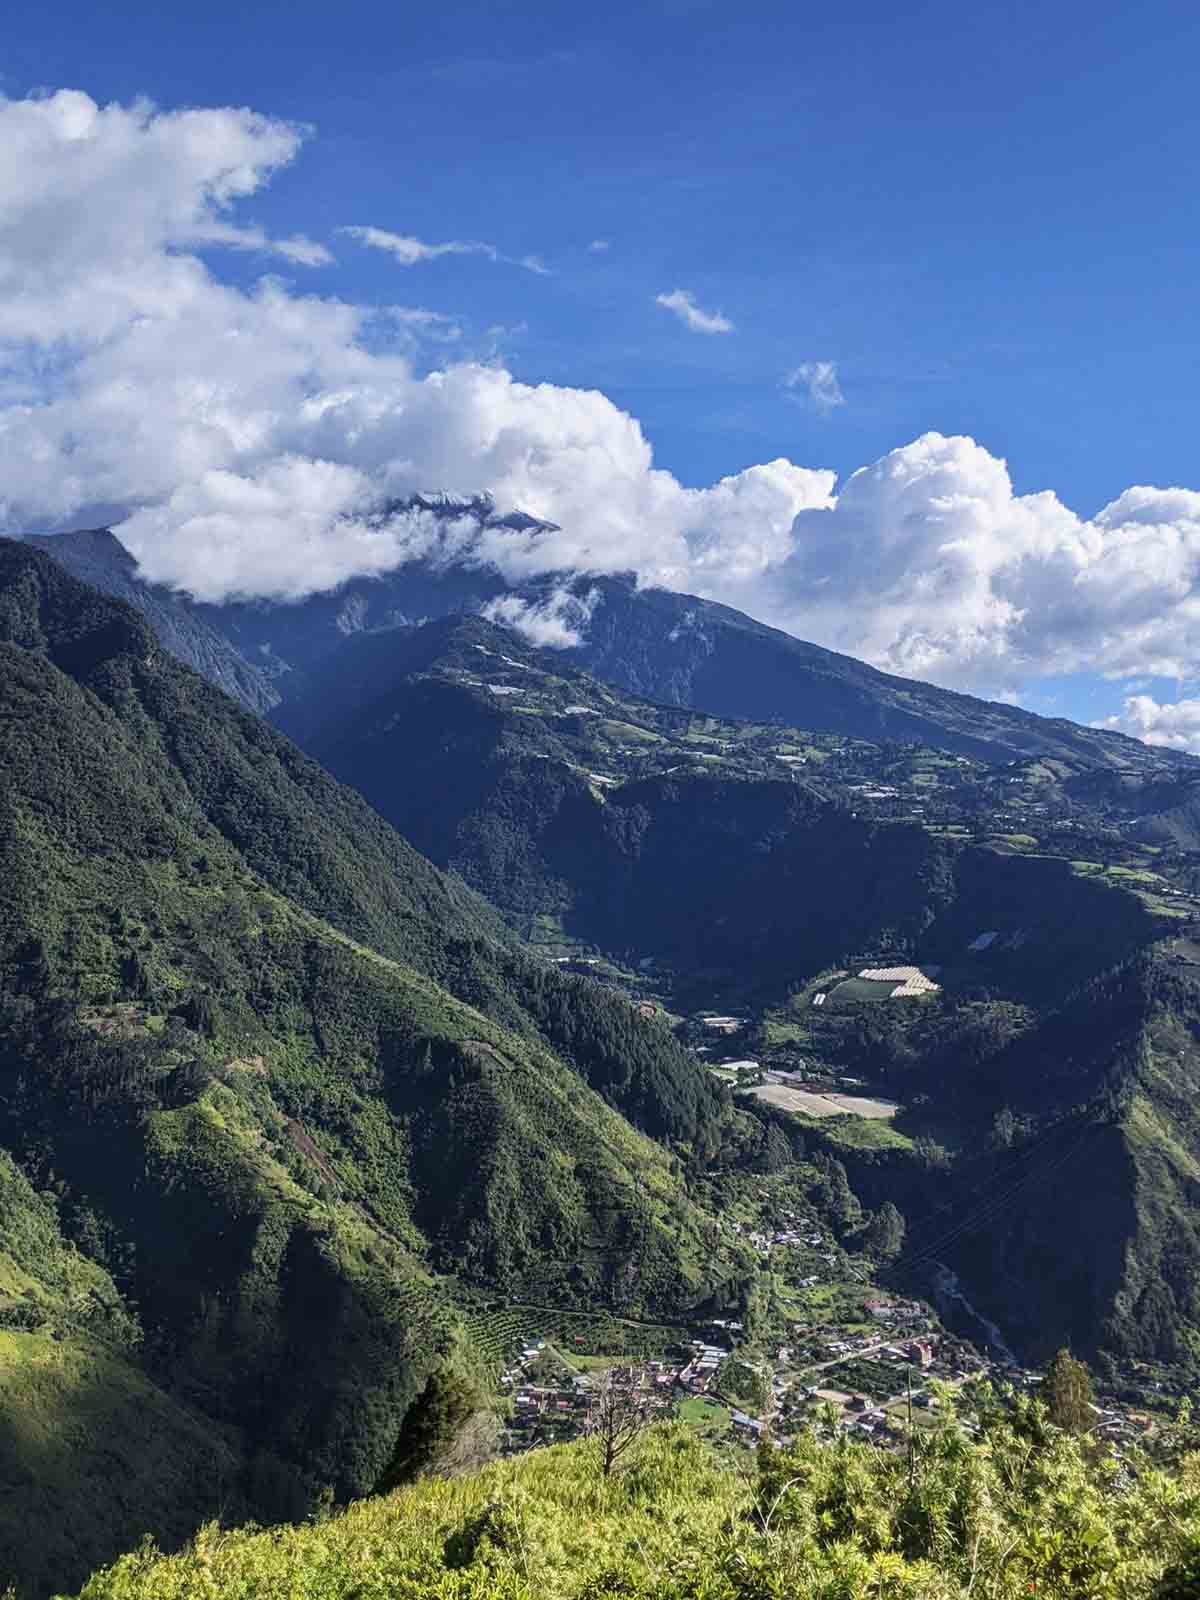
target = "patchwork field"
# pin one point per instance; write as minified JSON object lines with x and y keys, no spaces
{"x":824,"y":1105}
{"x":884,"y":983}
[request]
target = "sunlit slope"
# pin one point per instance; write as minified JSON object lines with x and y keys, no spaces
{"x":288,"y":1139}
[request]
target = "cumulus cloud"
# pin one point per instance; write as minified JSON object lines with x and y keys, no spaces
{"x":408,"y":251}
{"x":599,"y":246}
{"x":928,"y":564}
{"x":251,"y":441}
{"x":682,"y":302}
{"x":1173,"y":724}
{"x":819,"y":381}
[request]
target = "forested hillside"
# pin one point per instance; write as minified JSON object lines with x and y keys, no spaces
{"x":622,"y":825}
{"x":289,"y":1088}
{"x":279,"y":1097}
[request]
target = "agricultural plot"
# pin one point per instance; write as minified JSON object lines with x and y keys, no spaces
{"x":884,"y":983}
{"x":853,"y":991}
{"x":812,"y":1104}
{"x":498,"y":1333}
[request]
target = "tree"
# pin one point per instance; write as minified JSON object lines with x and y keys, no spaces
{"x":1068,"y":1392}
{"x":883,"y":1235}
{"x":617,"y":1419}
{"x":430,"y":1426}
{"x":834,"y":1193}
{"x":777,"y":1150}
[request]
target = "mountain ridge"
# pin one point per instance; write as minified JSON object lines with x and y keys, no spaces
{"x":673,"y":648}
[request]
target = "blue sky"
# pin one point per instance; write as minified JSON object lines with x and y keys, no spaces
{"x":984,"y":216}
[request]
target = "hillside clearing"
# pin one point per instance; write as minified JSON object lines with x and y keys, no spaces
{"x":811,"y":1104}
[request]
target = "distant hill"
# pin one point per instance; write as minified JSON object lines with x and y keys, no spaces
{"x":295,"y":1092}
{"x":671,"y":648}
{"x":97,"y":557}
{"x":694,"y":652}
{"x":589,"y":815}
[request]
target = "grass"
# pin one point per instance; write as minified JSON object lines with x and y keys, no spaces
{"x":862,"y":1133}
{"x":597,"y":1363}
{"x":698,"y":1412}
{"x":777,"y":1032}
{"x":93,"y":1456}
{"x":853,"y":990}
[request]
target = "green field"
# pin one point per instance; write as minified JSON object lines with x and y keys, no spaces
{"x":853,"y":990}
{"x":700,"y":1413}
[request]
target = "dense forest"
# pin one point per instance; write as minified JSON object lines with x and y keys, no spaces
{"x":275,"y":1090}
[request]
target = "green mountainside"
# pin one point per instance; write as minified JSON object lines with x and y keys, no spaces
{"x":714,"y":848}
{"x":92,"y":1452}
{"x":292,"y":1089}
{"x":674,"y":649}
{"x":94,"y":556}
{"x":1047,"y":1152}
{"x":288,"y":1112}
{"x":693,"y":652}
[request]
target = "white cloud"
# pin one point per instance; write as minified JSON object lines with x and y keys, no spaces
{"x":433,"y":324}
{"x":556,"y":622}
{"x":598,"y":246}
{"x":683,"y":303}
{"x":246,"y":441}
{"x":928,"y":564}
{"x":302,"y":250}
{"x":819,"y":380}
{"x":1175,"y":724}
{"x":99,"y":207}
{"x":408,"y":251}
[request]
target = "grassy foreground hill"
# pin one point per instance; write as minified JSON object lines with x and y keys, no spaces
{"x":1021,"y":1510}
{"x":273,"y":1090}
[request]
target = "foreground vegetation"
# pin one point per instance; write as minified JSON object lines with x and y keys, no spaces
{"x":1022,"y":1509}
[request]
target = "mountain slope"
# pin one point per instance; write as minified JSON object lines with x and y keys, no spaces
{"x":644,"y":830}
{"x":1010,"y":1508}
{"x":670,"y":648}
{"x":226,"y":1038}
{"x":1089,"y":1230}
{"x":96,"y":557}
{"x":79,"y":1414}
{"x":687,"y":651}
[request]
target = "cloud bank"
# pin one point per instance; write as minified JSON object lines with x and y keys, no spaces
{"x":556,"y":622}
{"x":1175,"y":725}
{"x":249,"y":441}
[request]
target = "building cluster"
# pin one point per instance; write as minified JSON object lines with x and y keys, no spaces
{"x":865,"y":1381}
